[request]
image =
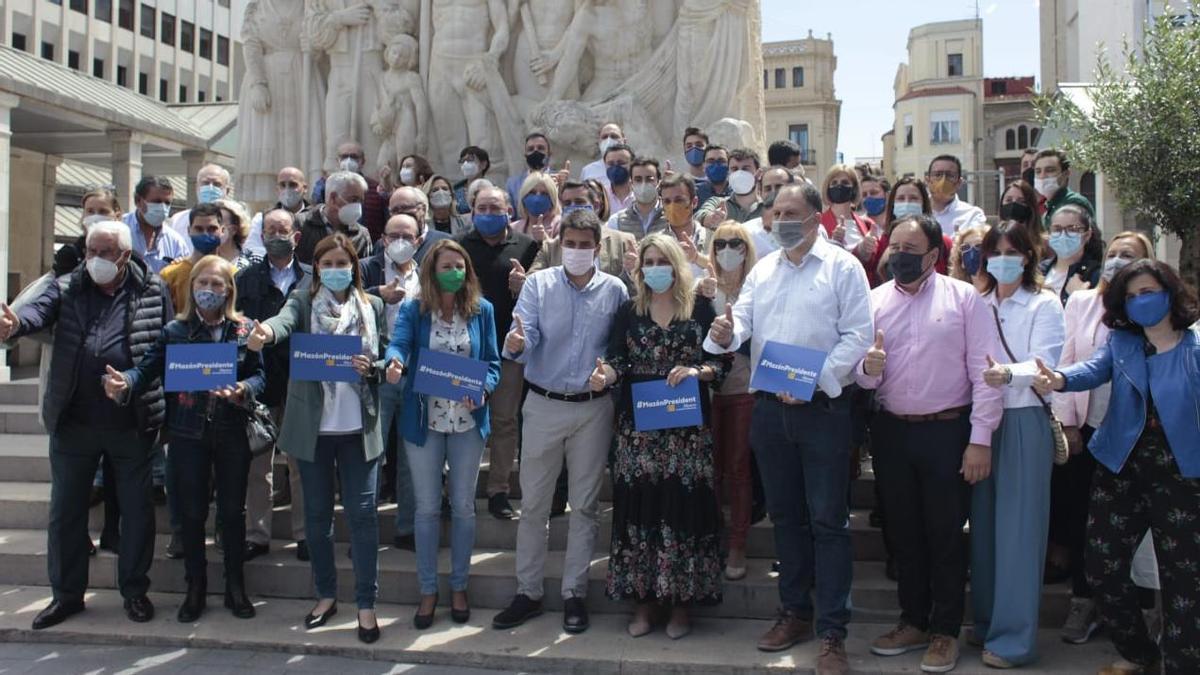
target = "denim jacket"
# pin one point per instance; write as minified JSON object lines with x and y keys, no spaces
{"x":1123,"y":361}
{"x":193,"y":414}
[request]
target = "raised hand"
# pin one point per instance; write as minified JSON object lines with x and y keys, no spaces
{"x":394,"y":371}
{"x":260,"y":335}
{"x":514,"y":342}
{"x":353,"y":16}
{"x":717,"y":216}
{"x":996,"y":375}
{"x":689,"y":249}
{"x":976,"y":464}
{"x":708,"y":283}
{"x":721,"y":330}
{"x":392,"y":292}
{"x":598,"y":380}
{"x":1047,"y":381}
{"x":362,"y":364}
{"x":630,"y":260}
{"x":563,"y":175}
{"x":8,"y":321}
{"x":537,"y":231}
{"x":516,"y":277}
{"x":839,"y":234}
{"x":876,"y":357}
{"x":115,"y":384}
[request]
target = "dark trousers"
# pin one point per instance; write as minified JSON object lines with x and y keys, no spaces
{"x":223,"y":455}
{"x":74,"y":455}
{"x":1070,"y":492}
{"x":927,"y":503}
{"x":804,"y":454}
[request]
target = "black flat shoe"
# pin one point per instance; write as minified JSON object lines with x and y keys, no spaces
{"x":139,"y":609}
{"x":194,"y":602}
{"x":423,"y":621}
{"x":302,"y":551}
{"x":56,"y":613}
{"x":459,"y":615}
{"x":522,"y":609}
{"x":368,"y":635}
{"x":312,"y":621}
{"x":236,"y":600}
{"x":575,"y":615}
{"x":254,"y":549}
{"x":404,"y":542}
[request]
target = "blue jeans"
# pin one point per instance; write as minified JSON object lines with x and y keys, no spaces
{"x":803,"y":452}
{"x":342,"y":453}
{"x":463,"y":452}
{"x":390,"y":398}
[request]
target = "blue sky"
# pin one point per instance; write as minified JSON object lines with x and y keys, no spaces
{"x":870,"y":37}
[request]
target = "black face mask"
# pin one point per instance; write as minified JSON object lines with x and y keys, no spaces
{"x":841,"y":194}
{"x":536,"y":160}
{"x":1015,"y":211}
{"x":1027,"y":176}
{"x":906,"y":267}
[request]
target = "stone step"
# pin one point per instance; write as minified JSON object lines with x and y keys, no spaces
{"x":25,"y":457}
{"x":716,"y":646}
{"x":20,"y":418}
{"x":23,"y":392}
{"x":280,"y":575}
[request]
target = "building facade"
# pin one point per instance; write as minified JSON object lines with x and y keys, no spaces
{"x":799,"y":98}
{"x":1010,"y":128}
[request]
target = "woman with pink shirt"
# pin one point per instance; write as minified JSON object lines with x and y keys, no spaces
{"x":1081,"y":413}
{"x":538,"y":209}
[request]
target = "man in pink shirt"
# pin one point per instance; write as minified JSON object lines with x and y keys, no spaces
{"x":932,"y":435}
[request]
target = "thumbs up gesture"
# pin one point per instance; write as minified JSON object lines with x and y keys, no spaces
{"x":630,"y":259}
{"x":667,"y":170}
{"x":876,"y":357}
{"x":8,"y":321}
{"x":721,"y":330}
{"x":598,"y":380}
{"x":514,"y":342}
{"x":708,"y":283}
{"x":717,"y":216}
{"x":996,"y":375}
{"x":516,"y":277}
{"x":392,"y":292}
{"x":394,"y":371}
{"x":115,"y":384}
{"x":1047,"y":381}
{"x":260,"y":335}
{"x":563,"y":175}
{"x":537,"y":230}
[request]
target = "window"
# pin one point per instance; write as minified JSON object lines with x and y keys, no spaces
{"x":98,"y":68}
{"x":223,"y":3}
{"x":798,"y":134}
{"x":1035,"y":134}
{"x":943,"y":127}
{"x":797,"y":77}
{"x":79,"y":6}
{"x":183,"y":93}
{"x":56,"y":2}
{"x":201,"y":96}
{"x":1022,"y":137}
{"x":18,"y":41}
{"x":780,"y":78}
{"x":47,"y":51}
{"x":72,"y":59}
{"x":954,"y":66}
{"x":205,"y":43}
{"x":122,"y":76}
{"x":908,"y":131}
{"x":766,"y":79}
{"x":222,"y":50}
{"x":164,"y":90}
{"x":167,"y":30}
{"x":125,"y":10}
{"x":148,"y":21}
{"x":103,"y":10}
{"x":999,"y":87}
{"x":187,"y":33}
{"x":144,"y":84}
{"x":1010,"y":140}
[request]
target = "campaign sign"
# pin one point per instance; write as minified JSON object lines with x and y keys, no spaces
{"x":324,"y":358}
{"x":657,"y":405}
{"x":200,"y":367}
{"x":788,"y":369}
{"x":449,"y":376}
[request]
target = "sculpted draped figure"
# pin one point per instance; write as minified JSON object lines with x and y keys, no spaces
{"x":541,"y":25}
{"x":270,"y":125}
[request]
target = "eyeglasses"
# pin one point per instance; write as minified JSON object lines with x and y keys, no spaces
{"x":720,"y":244}
{"x":397,"y":236}
{"x":969,"y":247}
{"x":1058,"y":229}
{"x":938,"y":175}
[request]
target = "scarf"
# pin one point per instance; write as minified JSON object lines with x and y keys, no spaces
{"x":355,"y":317}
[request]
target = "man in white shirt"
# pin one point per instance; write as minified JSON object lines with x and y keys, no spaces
{"x":292,"y":187}
{"x":773,"y":180}
{"x":610,"y":134}
{"x":812,"y":294}
{"x":212,"y":183}
{"x":944,"y":177}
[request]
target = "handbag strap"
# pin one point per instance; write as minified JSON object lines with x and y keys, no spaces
{"x":1004,"y":343}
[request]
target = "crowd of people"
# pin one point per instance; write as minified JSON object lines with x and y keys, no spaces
{"x":1018,"y":373}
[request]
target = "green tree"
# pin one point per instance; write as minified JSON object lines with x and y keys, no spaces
{"x":1144,"y":131}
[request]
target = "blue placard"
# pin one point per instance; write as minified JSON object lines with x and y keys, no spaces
{"x":324,"y":358}
{"x":200,"y":367}
{"x":657,"y":405}
{"x":788,"y":369}
{"x":449,"y":376}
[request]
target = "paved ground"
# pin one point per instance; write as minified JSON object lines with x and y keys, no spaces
{"x":69,"y":659}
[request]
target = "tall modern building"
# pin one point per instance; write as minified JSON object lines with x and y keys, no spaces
{"x":800,"y":101}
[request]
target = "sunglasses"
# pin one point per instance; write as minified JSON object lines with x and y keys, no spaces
{"x":720,"y":244}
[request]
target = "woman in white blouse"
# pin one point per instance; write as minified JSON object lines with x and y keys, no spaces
{"x":1010,"y":510}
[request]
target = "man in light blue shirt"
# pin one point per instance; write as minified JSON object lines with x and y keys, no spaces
{"x":560,"y":328}
{"x":157,"y":245}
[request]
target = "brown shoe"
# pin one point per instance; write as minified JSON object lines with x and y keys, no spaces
{"x":1123,"y":667}
{"x":832,"y":659}
{"x":942,"y":655}
{"x":900,"y":640}
{"x":788,"y":630}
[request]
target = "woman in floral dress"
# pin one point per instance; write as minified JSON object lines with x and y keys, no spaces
{"x":666,"y":548}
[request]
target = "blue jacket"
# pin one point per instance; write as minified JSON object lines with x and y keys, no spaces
{"x":1122,"y":359}
{"x":411,"y":333}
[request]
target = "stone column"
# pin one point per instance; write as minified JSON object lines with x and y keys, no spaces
{"x":49,"y":198}
{"x":7,"y":103}
{"x":126,"y":163}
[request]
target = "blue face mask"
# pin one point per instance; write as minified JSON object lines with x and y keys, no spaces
{"x":1066,"y":244}
{"x":571,"y":208}
{"x":209,"y":300}
{"x":659,"y":277}
{"x":337,"y":279}
{"x":1148,"y":309}
{"x":972,"y":258}
{"x":874,"y":205}
{"x":905,"y":209}
{"x":716,"y":173}
{"x":537,"y":204}
{"x":490,"y":224}
{"x":1007,"y":269}
{"x":694,"y":156}
{"x":208,"y":194}
{"x":205,"y":243}
{"x":617,"y":174}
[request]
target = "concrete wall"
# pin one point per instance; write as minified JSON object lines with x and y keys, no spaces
{"x":31,"y":229}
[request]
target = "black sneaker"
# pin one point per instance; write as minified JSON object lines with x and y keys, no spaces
{"x":255,"y":549}
{"x":575,"y":615}
{"x":522,"y":609}
{"x":404,"y":542}
{"x":499,"y":507}
{"x":302,"y":551}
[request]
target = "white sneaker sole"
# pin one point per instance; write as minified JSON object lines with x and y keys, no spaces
{"x":939,"y":669}
{"x":897,"y":651}
{"x":1087,"y":635}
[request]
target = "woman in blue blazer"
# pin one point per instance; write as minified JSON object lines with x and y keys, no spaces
{"x":449,"y":316}
{"x":1148,"y":447}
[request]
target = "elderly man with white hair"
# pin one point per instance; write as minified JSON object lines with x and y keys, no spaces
{"x":344,"y":194}
{"x":213,"y":182}
{"x":107,"y":314}
{"x":411,"y":201}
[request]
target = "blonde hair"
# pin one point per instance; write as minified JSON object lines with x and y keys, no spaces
{"x":534,"y":179}
{"x":732,"y":229}
{"x":466,"y":300}
{"x":240,"y":217}
{"x":683,"y":291}
{"x":1143,"y":241}
{"x":954,"y":266}
{"x":837,"y":170}
{"x":227,"y":271}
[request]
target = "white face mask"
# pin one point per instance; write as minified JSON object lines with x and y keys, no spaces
{"x":349,"y":214}
{"x":606,"y":143}
{"x":1112,"y":266}
{"x":401,"y":251}
{"x":1046,"y":187}
{"x":440,"y":199}
{"x":469,"y":169}
{"x":349,"y":164}
{"x":289,"y":198}
{"x":645,"y":193}
{"x":578,"y":261}
{"x":91,"y":220}
{"x":102,"y":271}
{"x":407,"y":175}
{"x":741,"y":182}
{"x":730,"y":259}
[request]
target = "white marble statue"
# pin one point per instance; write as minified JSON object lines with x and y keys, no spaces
{"x":401,"y":117}
{"x":539,"y":26}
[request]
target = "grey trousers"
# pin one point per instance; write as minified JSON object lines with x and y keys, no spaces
{"x":580,"y":435}
{"x":259,"y":506}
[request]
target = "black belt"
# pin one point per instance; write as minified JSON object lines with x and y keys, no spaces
{"x":940,"y":416}
{"x":818,"y":396}
{"x":569,"y":398}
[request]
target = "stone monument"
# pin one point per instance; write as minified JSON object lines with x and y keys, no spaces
{"x":432,"y":76}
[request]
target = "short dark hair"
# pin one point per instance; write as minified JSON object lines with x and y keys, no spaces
{"x":206,"y":209}
{"x":945,"y":158}
{"x":148,"y":183}
{"x":781,"y":152}
{"x":695,"y":131}
{"x":291,"y":216}
{"x":876,"y":178}
{"x":537,"y":134}
{"x":714,"y":148}
{"x":1029,"y":151}
{"x":811,"y":195}
{"x":582,"y":219}
{"x":646,"y":161}
{"x":743,"y":154}
{"x":618,"y":147}
{"x":929,"y":227}
{"x":1057,"y":154}
{"x":572,"y":184}
{"x":1185,"y":307}
{"x":1019,"y":236}
{"x":675,"y":180}
{"x":478,"y":153}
